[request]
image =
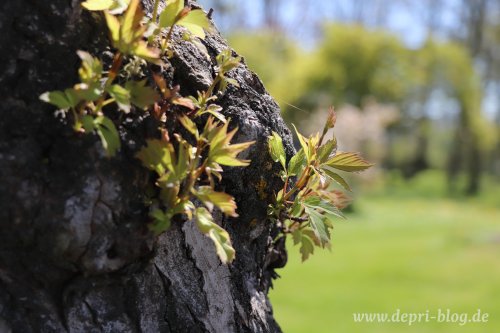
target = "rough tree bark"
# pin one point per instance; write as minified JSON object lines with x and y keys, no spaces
{"x":75,"y":253}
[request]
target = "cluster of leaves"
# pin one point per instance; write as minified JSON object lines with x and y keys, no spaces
{"x":184,"y":168}
{"x":307,"y":209}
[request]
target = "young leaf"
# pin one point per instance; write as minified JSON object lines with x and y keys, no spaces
{"x":97,"y":4}
{"x":336,"y":177}
{"x":276,"y":149}
{"x":303,"y":144}
{"x":318,"y":204}
{"x":350,"y":162}
{"x":307,"y":247}
{"x":109,"y":135}
{"x":195,"y":21}
{"x":121,"y":96}
{"x":317,"y":222}
{"x":114,"y":29}
{"x":169,"y":15}
{"x":161,"y":221}
{"x":57,"y":98}
{"x":222,"y":200}
{"x":91,"y":70}
{"x":326,"y":150}
{"x":141,"y":95}
{"x":156,"y":156}
{"x":189,"y":125}
{"x":221,"y":151}
{"x":219,"y":236}
{"x":297,"y":163}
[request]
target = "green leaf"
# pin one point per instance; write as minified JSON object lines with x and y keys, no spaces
{"x":189,"y":125}
{"x":219,"y":236}
{"x":317,"y":222}
{"x":350,"y":162}
{"x":119,"y":6}
{"x":130,"y":22}
{"x":221,"y":151}
{"x":336,"y":177}
{"x":149,"y":54}
{"x":303,"y":144}
{"x":121,"y":96}
{"x":90,"y":71}
{"x":326,"y":150}
{"x":97,"y":4}
{"x":88,"y":123}
{"x":161,"y":221}
{"x":306,"y":248}
{"x":297,"y":163}
{"x":195,"y":21}
{"x":169,"y":15}
{"x":109,"y":135}
{"x":317,"y":203}
{"x":222,"y":200}
{"x":57,"y":98}
{"x":114,"y":28}
{"x":276,"y":149}
{"x":141,"y":95}
{"x":156,"y":156}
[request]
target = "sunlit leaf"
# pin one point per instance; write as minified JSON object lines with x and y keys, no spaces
{"x":219,"y":236}
{"x":189,"y":125}
{"x":297,"y":163}
{"x":141,"y":95}
{"x":327,"y":150}
{"x":350,"y":162}
{"x":195,"y":21}
{"x":161,"y":221}
{"x":109,"y":135}
{"x":156,"y":156}
{"x":221,"y":200}
{"x":169,"y":15}
{"x":336,"y":177}
{"x":97,"y":4}
{"x":57,"y":98}
{"x":276,"y":149}
{"x":121,"y":96}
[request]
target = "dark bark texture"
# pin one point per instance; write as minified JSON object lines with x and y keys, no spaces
{"x":75,"y":252}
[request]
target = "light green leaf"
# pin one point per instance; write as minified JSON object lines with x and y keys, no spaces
{"x":114,"y":28}
{"x":130,"y":22}
{"x":317,"y":203}
{"x":221,"y":200}
{"x":303,"y":144}
{"x":195,"y":21}
{"x":119,"y":6}
{"x":109,"y":135}
{"x":91,"y":69}
{"x":276,"y":149}
{"x":306,"y":248}
{"x":141,"y":95}
{"x":149,"y":54}
{"x":156,"y":156}
{"x":189,"y":125}
{"x":57,"y":98}
{"x":336,"y":177}
{"x":350,"y":162}
{"x":219,"y":236}
{"x":326,"y":150}
{"x":161,"y":221}
{"x":169,"y":15}
{"x":97,"y":4}
{"x":121,"y":96}
{"x":317,"y":222}
{"x":297,"y":163}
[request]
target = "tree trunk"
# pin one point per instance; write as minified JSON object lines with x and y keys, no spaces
{"x":75,"y":252}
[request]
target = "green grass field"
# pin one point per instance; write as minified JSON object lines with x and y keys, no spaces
{"x":407,"y":247}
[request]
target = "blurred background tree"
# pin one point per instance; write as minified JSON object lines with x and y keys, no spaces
{"x":436,"y":61}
